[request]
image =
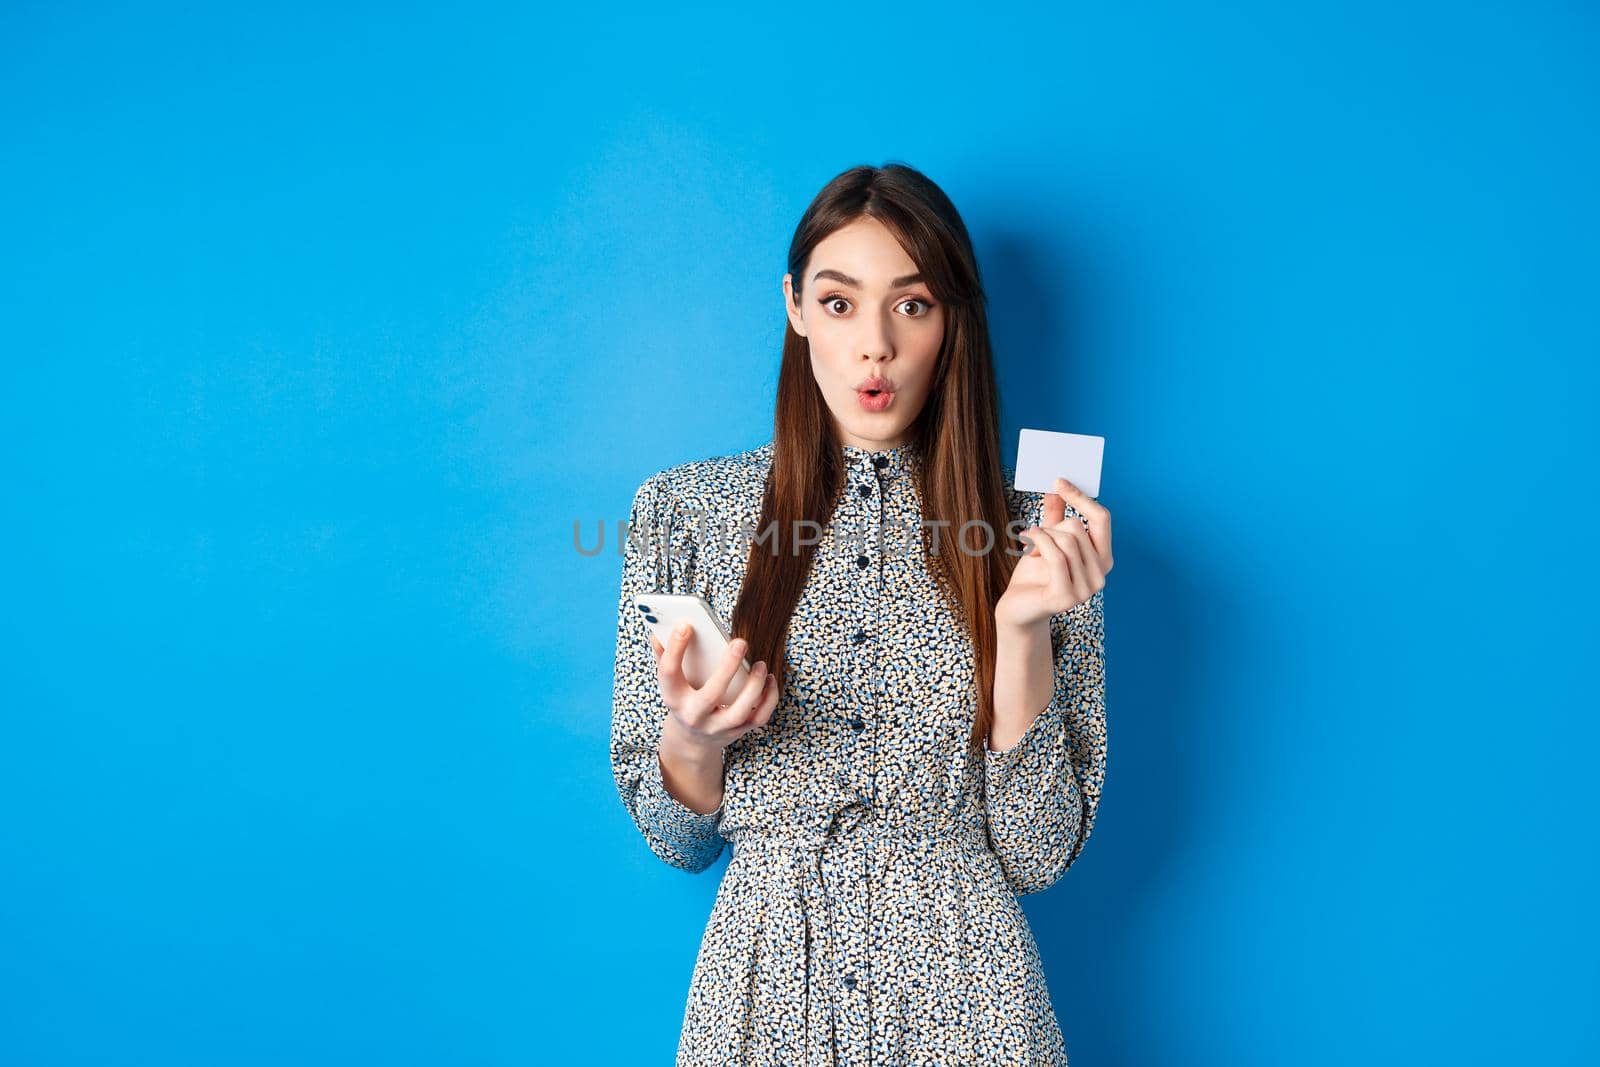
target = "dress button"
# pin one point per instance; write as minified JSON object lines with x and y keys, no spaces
{"x":858,"y":638}
{"x":880,"y":461}
{"x":857,"y":725}
{"x":862,"y":561}
{"x":866,"y":489}
{"x":849,"y":981}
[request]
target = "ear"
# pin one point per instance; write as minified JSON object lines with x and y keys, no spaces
{"x":791,"y":306}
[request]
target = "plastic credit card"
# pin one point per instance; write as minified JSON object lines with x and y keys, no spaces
{"x":1044,"y":455}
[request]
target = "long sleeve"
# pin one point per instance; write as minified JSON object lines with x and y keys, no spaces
{"x":654,"y":553}
{"x":1041,"y":794}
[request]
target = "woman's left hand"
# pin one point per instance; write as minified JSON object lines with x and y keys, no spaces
{"x":1068,"y":564}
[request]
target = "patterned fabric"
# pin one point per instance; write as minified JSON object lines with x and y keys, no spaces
{"x":868,"y":912}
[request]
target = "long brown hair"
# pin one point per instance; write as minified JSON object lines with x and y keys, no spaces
{"x":957,"y":431}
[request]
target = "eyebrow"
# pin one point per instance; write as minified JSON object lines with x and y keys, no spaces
{"x":840,"y":276}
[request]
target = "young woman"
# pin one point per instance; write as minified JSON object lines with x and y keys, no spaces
{"x":923,"y":735}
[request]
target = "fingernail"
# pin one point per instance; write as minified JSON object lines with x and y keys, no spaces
{"x":683,"y":628}
{"x":739,"y":645}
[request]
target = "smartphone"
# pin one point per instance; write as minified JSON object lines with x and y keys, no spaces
{"x":661,"y":613}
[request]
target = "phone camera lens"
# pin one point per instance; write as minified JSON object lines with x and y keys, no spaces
{"x":651,"y":618}
{"x":644,"y":608}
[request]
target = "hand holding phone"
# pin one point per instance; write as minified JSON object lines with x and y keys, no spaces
{"x":711,"y":689}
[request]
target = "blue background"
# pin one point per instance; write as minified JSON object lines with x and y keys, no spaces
{"x":322,"y":327}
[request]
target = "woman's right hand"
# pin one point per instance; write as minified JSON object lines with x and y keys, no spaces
{"x":698,"y":719}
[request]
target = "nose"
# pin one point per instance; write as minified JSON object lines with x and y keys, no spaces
{"x":878,"y":345}
{"x":878,"y":350}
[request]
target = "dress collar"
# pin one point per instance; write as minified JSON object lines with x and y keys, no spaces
{"x":898,"y":460}
{"x":901,"y":459}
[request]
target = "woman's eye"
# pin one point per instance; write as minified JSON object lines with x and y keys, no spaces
{"x":829,"y":301}
{"x":926,"y":307}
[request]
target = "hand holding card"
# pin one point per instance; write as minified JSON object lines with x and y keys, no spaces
{"x":1070,"y":557}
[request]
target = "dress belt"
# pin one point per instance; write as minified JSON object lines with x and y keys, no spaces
{"x":806,"y":846}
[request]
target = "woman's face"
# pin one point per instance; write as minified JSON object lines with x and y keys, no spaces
{"x":866,"y":316}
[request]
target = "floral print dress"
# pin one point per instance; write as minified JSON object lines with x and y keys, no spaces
{"x":868,"y":911}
